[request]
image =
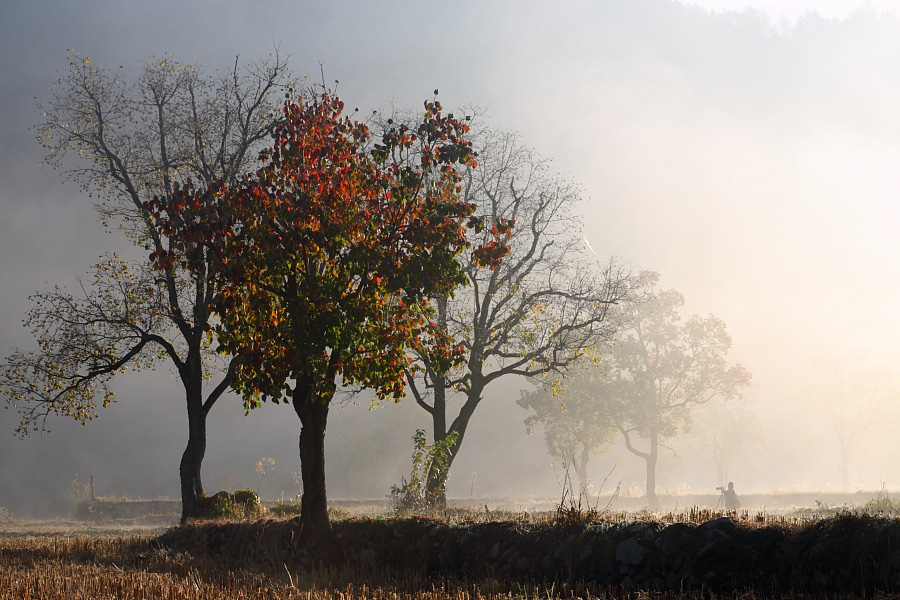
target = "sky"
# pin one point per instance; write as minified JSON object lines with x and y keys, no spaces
{"x":749,"y":153}
{"x":794,"y":9}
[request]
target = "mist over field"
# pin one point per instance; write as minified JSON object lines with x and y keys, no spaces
{"x":750,"y":156}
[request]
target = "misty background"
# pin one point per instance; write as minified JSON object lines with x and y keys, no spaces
{"x":751,"y":156}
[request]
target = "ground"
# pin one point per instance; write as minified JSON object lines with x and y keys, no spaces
{"x":575,"y":551}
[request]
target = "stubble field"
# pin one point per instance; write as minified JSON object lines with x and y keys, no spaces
{"x":572,"y":552}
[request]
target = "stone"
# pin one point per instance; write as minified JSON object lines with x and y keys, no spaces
{"x":630,"y":552}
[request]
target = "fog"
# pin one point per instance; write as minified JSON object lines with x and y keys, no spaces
{"x":751,"y":156}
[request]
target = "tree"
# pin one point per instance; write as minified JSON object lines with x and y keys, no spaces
{"x":134,"y":142}
{"x":854,"y":399}
{"x":536,"y":313}
{"x":729,"y":430}
{"x":658,"y":370}
{"x":573,"y":427}
{"x":329,"y":253}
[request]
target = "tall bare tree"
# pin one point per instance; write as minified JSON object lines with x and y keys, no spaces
{"x":855,"y":398}
{"x":539,"y":310}
{"x":127,"y":143}
{"x":729,"y":430}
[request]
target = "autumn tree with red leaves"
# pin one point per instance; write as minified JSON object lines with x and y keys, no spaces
{"x":330,"y":252}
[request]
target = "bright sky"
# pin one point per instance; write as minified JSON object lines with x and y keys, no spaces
{"x":792,"y":9}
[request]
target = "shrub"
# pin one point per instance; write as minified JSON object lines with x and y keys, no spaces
{"x":247,"y":504}
{"x":882,"y":504}
{"x":220,"y":506}
{"x":411,"y":495}
{"x":286,"y":508}
{"x":79,"y":492}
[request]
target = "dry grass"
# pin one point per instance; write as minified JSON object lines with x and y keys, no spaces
{"x":22,"y":529}
{"x":74,"y":560}
{"x":577,"y":513}
{"x":104,"y":568}
{"x":101,"y":568}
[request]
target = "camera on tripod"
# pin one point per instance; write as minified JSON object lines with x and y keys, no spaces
{"x":720,"y":488}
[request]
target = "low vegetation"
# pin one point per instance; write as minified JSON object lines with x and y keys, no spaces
{"x":576,"y":551}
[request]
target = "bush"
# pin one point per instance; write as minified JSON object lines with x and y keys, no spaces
{"x":411,"y":495}
{"x":79,"y":492}
{"x":882,"y":504}
{"x":241,"y":504}
{"x":220,"y":506}
{"x":286,"y":508}
{"x":247,"y":504}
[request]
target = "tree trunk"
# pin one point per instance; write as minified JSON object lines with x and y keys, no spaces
{"x":721,"y":463}
{"x":191,"y":461}
{"x":652,"y":500}
{"x":314,"y":524}
{"x":436,"y":480}
{"x":581,"y":469}
{"x":192,"y":458}
{"x":845,"y":472}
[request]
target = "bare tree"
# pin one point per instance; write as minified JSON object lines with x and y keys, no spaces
{"x":136,"y":141}
{"x":728,"y":430}
{"x":854,"y":398}
{"x":541,"y":309}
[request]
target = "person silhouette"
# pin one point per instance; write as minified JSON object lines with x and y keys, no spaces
{"x":731,"y":498}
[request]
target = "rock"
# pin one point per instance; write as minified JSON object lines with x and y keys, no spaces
{"x":724,"y":523}
{"x":586,"y":552}
{"x":643,"y":529}
{"x":630,"y":552}
{"x":716,"y":542}
{"x":674,"y":582}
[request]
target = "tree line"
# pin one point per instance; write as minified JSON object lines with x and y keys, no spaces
{"x":292,"y":250}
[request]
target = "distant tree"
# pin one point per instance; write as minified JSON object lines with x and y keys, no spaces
{"x":574,"y":428}
{"x":727,"y":429}
{"x":854,"y":399}
{"x":330,"y":252}
{"x":133,"y":142}
{"x":534,"y":314}
{"x":657,"y":371}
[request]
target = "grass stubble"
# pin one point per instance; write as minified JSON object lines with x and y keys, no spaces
{"x":77,"y":561}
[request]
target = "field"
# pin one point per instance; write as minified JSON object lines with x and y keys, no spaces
{"x":574,"y":551}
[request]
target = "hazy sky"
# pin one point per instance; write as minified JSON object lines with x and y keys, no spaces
{"x":792,"y":9}
{"x":753,"y":161}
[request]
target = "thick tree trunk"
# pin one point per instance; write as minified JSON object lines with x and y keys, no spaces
{"x":436,"y":487}
{"x":652,"y":500}
{"x":191,"y":461}
{"x":314,"y":524}
{"x":436,"y":480}
{"x":192,"y":458}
